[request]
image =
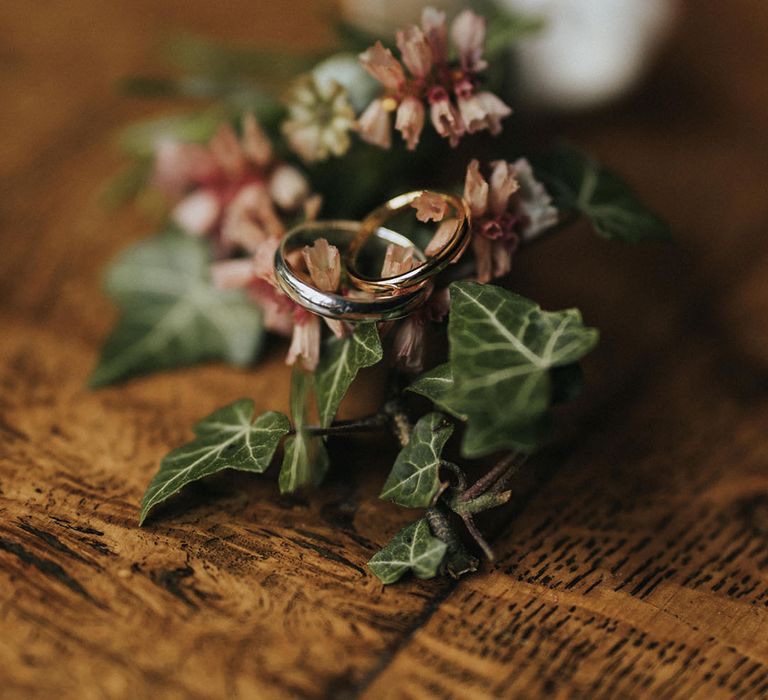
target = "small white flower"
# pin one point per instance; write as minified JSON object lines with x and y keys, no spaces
{"x":319,"y":119}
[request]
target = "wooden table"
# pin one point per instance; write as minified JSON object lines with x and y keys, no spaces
{"x":634,"y":561}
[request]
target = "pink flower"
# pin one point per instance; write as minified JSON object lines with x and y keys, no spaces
{"x":232,"y":274}
{"x":409,"y":344}
{"x":415,"y":51}
{"x":456,"y":105}
{"x":288,"y":188}
{"x":503,"y":184}
{"x":410,"y":121}
{"x":511,"y":206}
{"x":441,"y":238}
{"x":481,"y":110}
{"x":436,"y":31}
{"x":256,"y":146}
{"x":476,"y":190}
{"x":277,"y":309}
{"x":323,"y":264}
{"x":468,"y":34}
{"x":383,"y":66}
{"x":445,"y":117}
{"x":178,"y":166}
{"x":430,"y":207}
{"x":229,"y":189}
{"x":375,"y":124}
{"x":197,"y":212}
{"x":249,"y":219}
{"x":305,"y":341}
{"x":535,"y":205}
{"x":397,"y":260}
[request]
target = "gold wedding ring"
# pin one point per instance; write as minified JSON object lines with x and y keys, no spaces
{"x":424,"y":272}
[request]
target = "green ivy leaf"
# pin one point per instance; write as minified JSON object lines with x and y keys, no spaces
{"x":305,"y":460}
{"x":436,"y":385}
{"x":503,"y":349}
{"x":414,"y":481}
{"x":305,"y":463}
{"x":171,"y":315}
{"x":229,"y":438}
{"x":578,"y":183}
{"x":339,"y":363}
{"x":413,"y":548}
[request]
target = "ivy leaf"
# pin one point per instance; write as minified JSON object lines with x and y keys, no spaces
{"x":436,"y":385}
{"x":502,"y":350}
{"x":229,"y":438}
{"x":305,"y":459}
{"x":339,"y":363}
{"x":413,"y":548}
{"x":305,"y":463}
{"x":171,"y":315}
{"x":414,"y":481}
{"x":578,"y":183}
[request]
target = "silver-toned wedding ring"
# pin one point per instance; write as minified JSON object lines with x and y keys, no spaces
{"x":380,"y":306}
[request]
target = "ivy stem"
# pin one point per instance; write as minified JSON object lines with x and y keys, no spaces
{"x":343,"y":427}
{"x":504,"y":468}
{"x":477,"y":536}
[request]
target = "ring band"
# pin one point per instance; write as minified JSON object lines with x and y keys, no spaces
{"x":380,"y":307}
{"x":423,"y":273}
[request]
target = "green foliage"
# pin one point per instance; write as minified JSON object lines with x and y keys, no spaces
{"x":170,"y":314}
{"x":340,"y":361}
{"x":414,"y":481}
{"x":580,"y":184}
{"x":305,"y":462}
{"x":414,"y":549}
{"x":229,"y":438}
{"x":503,"y":349}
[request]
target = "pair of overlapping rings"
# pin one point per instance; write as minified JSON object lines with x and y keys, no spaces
{"x":371,"y":298}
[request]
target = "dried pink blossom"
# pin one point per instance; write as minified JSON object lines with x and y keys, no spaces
{"x":288,"y":188}
{"x":409,"y":343}
{"x":456,"y":105}
{"x":535,"y":206}
{"x":415,"y":51}
{"x":197,"y":213}
{"x":502,"y":185}
{"x":476,"y":190}
{"x":410,"y":121}
{"x":256,"y":146}
{"x":277,"y":309}
{"x":445,"y":117}
{"x":375,"y":124}
{"x":443,"y":235}
{"x":436,"y":31}
{"x":312,"y":206}
{"x":513,"y":205}
{"x":383,"y":66}
{"x":208,"y":180}
{"x":179,"y":166}
{"x":305,"y":342}
{"x":232,"y":274}
{"x":250,"y":218}
{"x":430,"y":206}
{"x":468,"y":34}
{"x":323,"y":264}
{"x":397,"y":260}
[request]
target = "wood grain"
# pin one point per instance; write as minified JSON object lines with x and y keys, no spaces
{"x":634,"y":560}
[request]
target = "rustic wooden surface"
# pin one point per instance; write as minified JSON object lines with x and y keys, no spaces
{"x":634,"y":562}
